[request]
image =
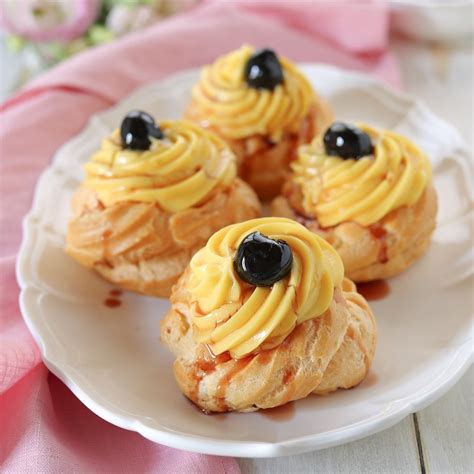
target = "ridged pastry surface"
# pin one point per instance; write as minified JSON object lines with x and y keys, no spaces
{"x":320,"y":355}
{"x":143,"y":248}
{"x":379,"y":251}
{"x":336,"y":190}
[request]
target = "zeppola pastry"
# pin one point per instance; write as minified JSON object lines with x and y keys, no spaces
{"x":152,"y":197}
{"x":262,"y":316}
{"x":264,"y":107}
{"x":369,"y":193}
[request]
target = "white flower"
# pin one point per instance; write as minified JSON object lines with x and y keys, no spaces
{"x":124,"y":18}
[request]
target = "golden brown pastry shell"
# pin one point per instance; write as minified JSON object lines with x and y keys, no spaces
{"x":334,"y":350}
{"x":140,"y":247}
{"x":264,"y":164}
{"x":379,"y":251}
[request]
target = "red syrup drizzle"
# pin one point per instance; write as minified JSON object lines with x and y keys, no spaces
{"x":202,"y":367}
{"x":113,"y":301}
{"x":264,"y":357}
{"x":205,"y":366}
{"x":379,"y":233}
{"x":238,"y":365}
{"x":373,"y":290}
{"x":288,"y":375}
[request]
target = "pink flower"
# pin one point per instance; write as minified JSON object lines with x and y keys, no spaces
{"x":48,"y":20}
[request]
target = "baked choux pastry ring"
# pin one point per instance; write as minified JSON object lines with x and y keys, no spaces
{"x":152,"y":197}
{"x":368,"y":192}
{"x":262,"y":316}
{"x":263,"y":106}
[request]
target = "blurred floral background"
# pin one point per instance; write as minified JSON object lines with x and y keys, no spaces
{"x":44,"y":32}
{"x":37,"y":34}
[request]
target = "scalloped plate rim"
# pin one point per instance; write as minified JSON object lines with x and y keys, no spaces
{"x":461,"y":360}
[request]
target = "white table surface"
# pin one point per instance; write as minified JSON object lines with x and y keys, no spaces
{"x":438,"y":439}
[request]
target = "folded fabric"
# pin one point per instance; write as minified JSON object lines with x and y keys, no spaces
{"x":198,"y":37}
{"x":44,"y":428}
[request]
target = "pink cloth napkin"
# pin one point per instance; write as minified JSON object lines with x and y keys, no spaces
{"x":43,"y":427}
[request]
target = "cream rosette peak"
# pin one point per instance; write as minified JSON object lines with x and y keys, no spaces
{"x":362,"y":190}
{"x":231,"y":315}
{"x":177,"y":172}
{"x":239,"y":111}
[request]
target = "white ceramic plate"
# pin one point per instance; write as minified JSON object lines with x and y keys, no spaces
{"x":112,"y":358}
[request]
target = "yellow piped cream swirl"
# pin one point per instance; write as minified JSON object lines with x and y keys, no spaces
{"x":238,"y":111}
{"x":231,"y":315}
{"x":177,"y":172}
{"x":337,"y":190}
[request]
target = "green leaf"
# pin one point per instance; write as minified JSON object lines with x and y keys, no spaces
{"x":15,"y":43}
{"x":99,"y":34}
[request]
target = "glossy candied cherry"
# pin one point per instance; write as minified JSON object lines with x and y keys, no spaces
{"x":347,"y":141}
{"x":262,"y":261}
{"x":137,"y":128}
{"x":263,"y":70}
